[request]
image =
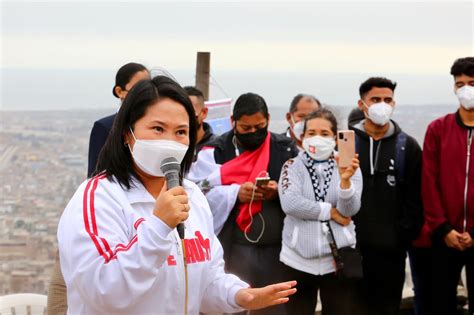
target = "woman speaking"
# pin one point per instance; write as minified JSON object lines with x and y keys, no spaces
{"x":120,"y":252}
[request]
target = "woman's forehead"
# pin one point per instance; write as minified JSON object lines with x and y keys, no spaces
{"x":318,"y":123}
{"x":167,"y":110}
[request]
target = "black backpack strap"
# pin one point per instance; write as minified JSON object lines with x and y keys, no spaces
{"x":400,"y":155}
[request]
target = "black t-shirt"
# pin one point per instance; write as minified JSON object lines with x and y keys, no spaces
{"x":461,"y":123}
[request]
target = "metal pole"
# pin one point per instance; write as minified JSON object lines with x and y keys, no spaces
{"x":203,"y":70}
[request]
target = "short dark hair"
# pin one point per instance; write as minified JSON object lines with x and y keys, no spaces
{"x":355,"y":116}
{"x":298,"y":98}
{"x":125,"y":74}
{"x":325,"y":114}
{"x":249,"y":104}
{"x":379,"y":82}
{"x":115,"y":158}
{"x":192,"y":91}
{"x":463,"y":66}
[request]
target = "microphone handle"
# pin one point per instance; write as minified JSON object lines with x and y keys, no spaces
{"x":172,"y":180}
{"x":180,"y":228}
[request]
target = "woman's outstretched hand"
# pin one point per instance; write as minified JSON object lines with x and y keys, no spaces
{"x":257,"y":298}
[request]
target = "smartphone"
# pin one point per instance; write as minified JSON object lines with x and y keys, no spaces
{"x":261,"y":181}
{"x":346,"y":147}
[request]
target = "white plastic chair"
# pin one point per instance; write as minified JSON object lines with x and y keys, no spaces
{"x":23,"y":304}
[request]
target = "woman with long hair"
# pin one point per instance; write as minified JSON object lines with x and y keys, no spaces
{"x":119,"y":248}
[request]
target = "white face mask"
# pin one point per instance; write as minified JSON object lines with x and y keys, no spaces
{"x":379,"y":113}
{"x":465,"y":95}
{"x":319,"y":148}
{"x":148,"y":154}
{"x":298,"y":128}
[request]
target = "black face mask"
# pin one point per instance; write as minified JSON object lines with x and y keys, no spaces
{"x":253,"y":140}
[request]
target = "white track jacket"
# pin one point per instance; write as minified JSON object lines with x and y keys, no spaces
{"x":118,"y":258}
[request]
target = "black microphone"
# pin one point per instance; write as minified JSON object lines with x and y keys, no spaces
{"x":170,"y":168}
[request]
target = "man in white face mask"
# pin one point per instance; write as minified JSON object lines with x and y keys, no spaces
{"x":301,"y":106}
{"x":448,"y":193}
{"x":391,"y":213}
{"x":378,"y":104}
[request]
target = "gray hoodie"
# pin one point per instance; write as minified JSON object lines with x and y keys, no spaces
{"x":305,"y":243}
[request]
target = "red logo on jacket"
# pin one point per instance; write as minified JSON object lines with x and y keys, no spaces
{"x":197,"y":250}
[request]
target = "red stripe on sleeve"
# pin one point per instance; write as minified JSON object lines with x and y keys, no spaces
{"x":106,"y":250}
{"x":86,"y":219}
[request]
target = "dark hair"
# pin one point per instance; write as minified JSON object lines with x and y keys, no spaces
{"x":192,"y":91}
{"x":355,"y":116}
{"x":325,"y":114}
{"x":249,"y":104}
{"x":463,"y":66}
{"x":125,"y":74}
{"x":379,"y":82}
{"x":298,"y":98}
{"x":115,"y":158}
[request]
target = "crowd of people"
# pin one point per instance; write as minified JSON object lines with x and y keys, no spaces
{"x":271,"y":220}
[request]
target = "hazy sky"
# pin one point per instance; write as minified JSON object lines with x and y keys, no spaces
{"x":65,"y":54}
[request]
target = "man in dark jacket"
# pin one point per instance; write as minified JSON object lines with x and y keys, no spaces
{"x":204,"y":133}
{"x":448,"y":193}
{"x":391,"y":213}
{"x":247,"y":217}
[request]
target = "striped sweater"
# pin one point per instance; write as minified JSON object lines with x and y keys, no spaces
{"x":305,"y":242}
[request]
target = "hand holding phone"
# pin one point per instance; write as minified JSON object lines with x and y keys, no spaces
{"x":347,"y":159}
{"x":268,"y":187}
{"x":247,"y":191}
{"x":262,"y":181}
